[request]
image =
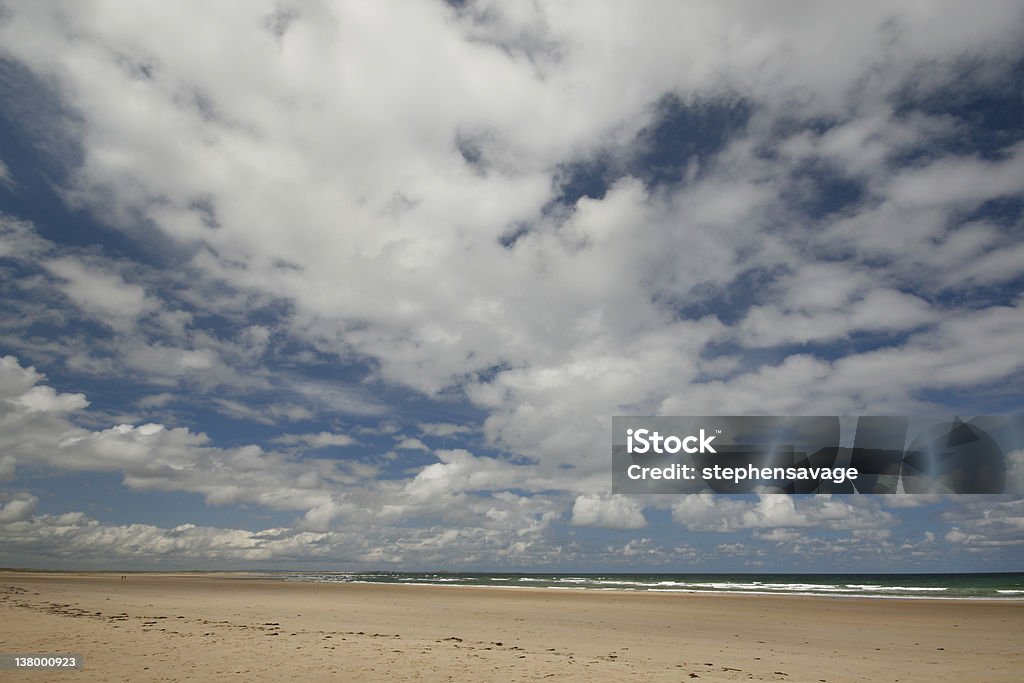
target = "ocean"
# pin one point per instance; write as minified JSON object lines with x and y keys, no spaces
{"x":906,"y":586}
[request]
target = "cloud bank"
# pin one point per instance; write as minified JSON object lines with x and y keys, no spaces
{"x":393,"y":268}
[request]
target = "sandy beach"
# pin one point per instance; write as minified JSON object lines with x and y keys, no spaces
{"x":160,"y":627}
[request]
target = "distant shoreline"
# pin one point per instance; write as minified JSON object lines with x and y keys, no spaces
{"x":945,"y":586}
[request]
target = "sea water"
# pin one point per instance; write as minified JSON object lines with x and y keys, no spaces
{"x":1004,"y":586}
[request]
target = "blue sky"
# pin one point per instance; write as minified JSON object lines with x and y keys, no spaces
{"x":349,"y":285}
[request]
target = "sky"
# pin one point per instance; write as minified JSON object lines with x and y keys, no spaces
{"x":352,"y":285}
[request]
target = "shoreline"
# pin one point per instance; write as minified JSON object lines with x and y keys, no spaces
{"x":216,"y":627}
{"x":673,"y":591}
{"x":288,"y":575}
{"x":274,"y":577}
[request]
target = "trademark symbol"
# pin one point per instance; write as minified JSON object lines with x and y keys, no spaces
{"x":718,"y":431}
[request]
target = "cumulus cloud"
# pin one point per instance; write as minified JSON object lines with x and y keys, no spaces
{"x":75,"y":536}
{"x":411,"y":444}
{"x":37,"y":431}
{"x":706,"y":512}
{"x":459,"y":471}
{"x":462,"y":489}
{"x":17,"y":507}
{"x":641,"y":547}
{"x":984,"y":525}
{"x":609,"y":512}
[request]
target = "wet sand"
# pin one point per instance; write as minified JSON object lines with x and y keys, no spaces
{"x":165,"y":627}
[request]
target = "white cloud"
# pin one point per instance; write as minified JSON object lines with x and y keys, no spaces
{"x":17,"y":239}
{"x":74,"y":537}
{"x":17,"y":507}
{"x":460,"y":470}
{"x":705,"y":512}
{"x":641,"y":547}
{"x":37,"y":431}
{"x":335,"y":397}
{"x":954,"y":535}
{"x":105,"y":295}
{"x":442,"y":429}
{"x":960,"y":181}
{"x":317,"y":440}
{"x":779,"y":535}
{"x":879,"y":310}
{"x":156,"y":400}
{"x":469,"y":491}
{"x":89,"y":542}
{"x":16,"y":381}
{"x":410,"y":444}
{"x":986,"y":523}
{"x":41,"y":399}
{"x":912,"y":500}
{"x":608,"y":512}
{"x":270,"y":414}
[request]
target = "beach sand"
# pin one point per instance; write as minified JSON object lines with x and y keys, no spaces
{"x":161,"y":627}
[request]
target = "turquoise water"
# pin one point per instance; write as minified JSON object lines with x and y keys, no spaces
{"x":947,"y":586}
